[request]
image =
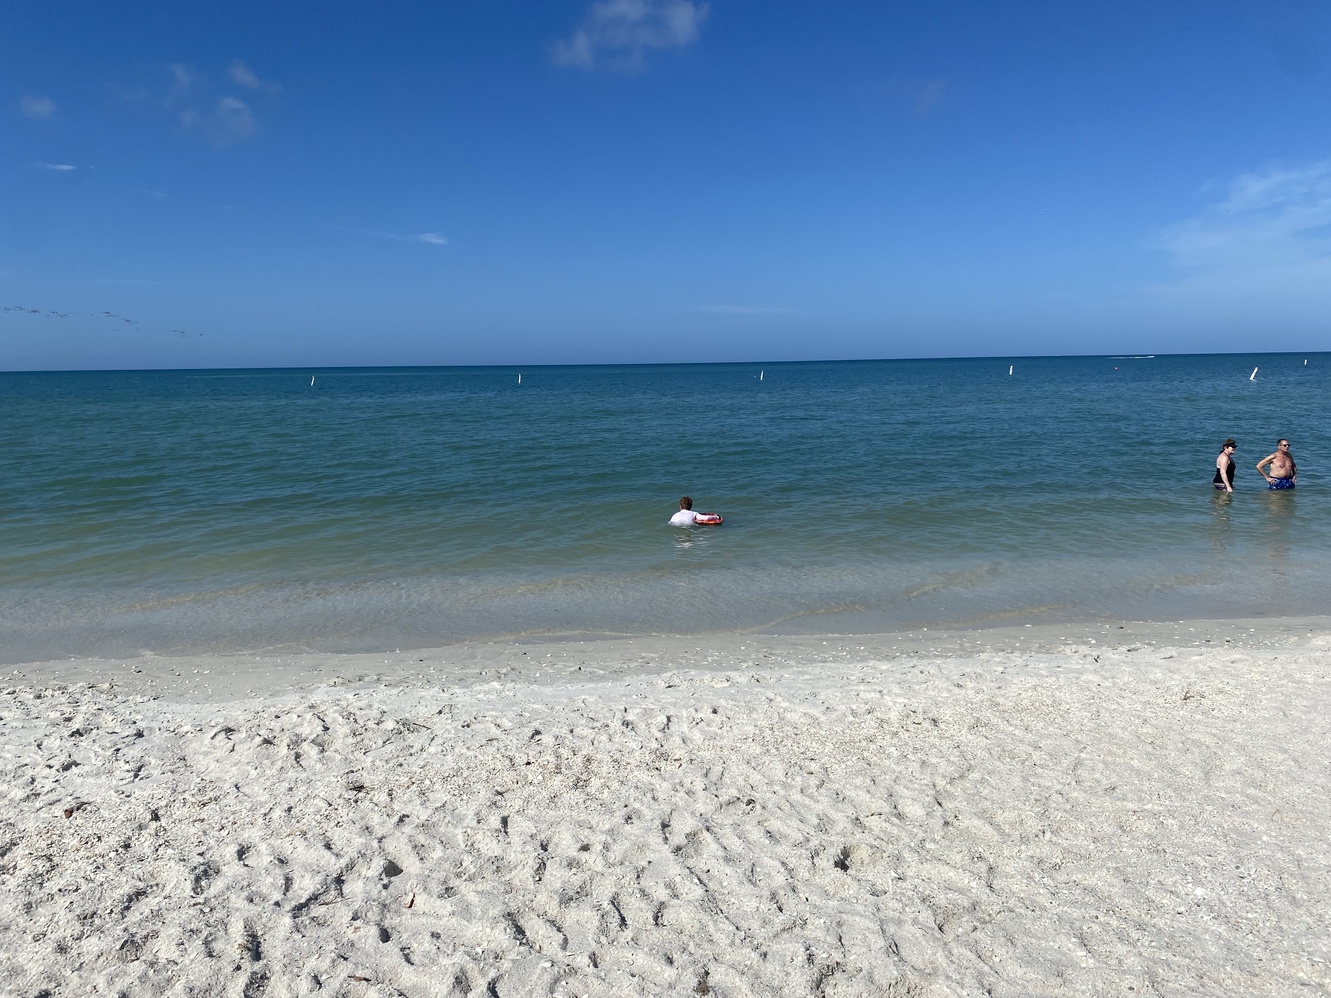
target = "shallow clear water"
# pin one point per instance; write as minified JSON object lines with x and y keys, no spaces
{"x":226,"y":510}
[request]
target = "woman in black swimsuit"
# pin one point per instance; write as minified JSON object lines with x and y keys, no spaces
{"x":1224,"y":466}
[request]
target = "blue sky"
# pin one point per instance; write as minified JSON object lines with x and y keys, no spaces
{"x":317,"y":184}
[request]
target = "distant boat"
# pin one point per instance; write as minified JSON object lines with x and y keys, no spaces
{"x":1253,"y":376}
{"x":519,"y":377}
{"x":311,"y":380}
{"x":1010,"y":369}
{"x":760,"y":374}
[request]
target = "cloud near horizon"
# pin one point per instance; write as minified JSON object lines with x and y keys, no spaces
{"x":619,"y":34}
{"x":1262,"y":247}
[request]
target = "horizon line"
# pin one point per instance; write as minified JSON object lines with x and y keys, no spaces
{"x":684,"y":363}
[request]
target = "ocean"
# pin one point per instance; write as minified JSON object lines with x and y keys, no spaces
{"x":172,"y":512}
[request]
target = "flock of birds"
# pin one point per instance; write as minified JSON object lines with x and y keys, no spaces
{"x":23,"y":309}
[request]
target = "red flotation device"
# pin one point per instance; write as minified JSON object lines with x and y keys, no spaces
{"x":708,"y":519}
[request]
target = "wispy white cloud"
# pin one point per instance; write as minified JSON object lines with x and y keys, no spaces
{"x":240,"y":73}
{"x":37,"y":108}
{"x":230,"y":121}
{"x":1263,"y":218}
{"x":619,"y":34}
{"x":56,"y":167}
{"x":747,"y":310}
{"x":929,"y":95}
{"x":183,"y":79}
{"x":1263,"y":242}
{"x":235,"y":119}
{"x":923,"y":94}
{"x":200,"y":104}
{"x":428,"y":238}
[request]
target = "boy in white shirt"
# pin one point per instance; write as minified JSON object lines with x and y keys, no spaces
{"x":686,"y":517}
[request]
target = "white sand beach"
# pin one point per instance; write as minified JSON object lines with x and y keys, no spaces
{"x":1126,"y":809}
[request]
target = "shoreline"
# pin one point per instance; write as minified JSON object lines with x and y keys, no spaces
{"x":1023,"y":810}
{"x":577,"y":657}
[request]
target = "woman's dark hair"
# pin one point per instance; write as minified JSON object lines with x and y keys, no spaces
{"x":686,"y":503}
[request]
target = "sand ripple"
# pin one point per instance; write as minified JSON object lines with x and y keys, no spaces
{"x":1092,"y":821}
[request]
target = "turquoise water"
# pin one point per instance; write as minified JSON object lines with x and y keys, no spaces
{"x":196,"y":511}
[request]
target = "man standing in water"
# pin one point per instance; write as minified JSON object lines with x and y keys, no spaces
{"x":1284,"y":473}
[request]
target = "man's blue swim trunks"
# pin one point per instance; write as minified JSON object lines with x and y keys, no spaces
{"x":1277,"y":484}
